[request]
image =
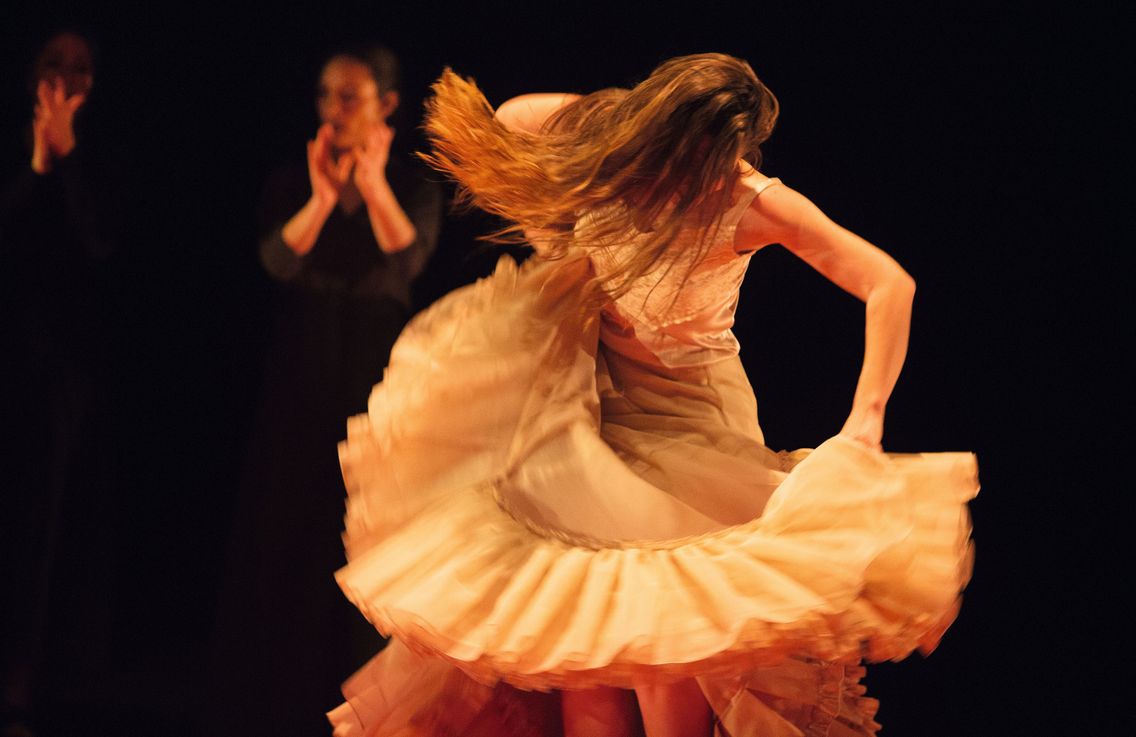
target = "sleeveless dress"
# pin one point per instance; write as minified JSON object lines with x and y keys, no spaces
{"x":538,"y":502}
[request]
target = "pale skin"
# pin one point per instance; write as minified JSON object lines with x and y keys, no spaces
{"x":347,"y":160}
{"x":779,"y":215}
{"x":783,"y":215}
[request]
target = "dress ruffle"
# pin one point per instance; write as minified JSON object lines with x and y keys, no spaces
{"x":470,"y":582}
{"x":533,"y":509}
{"x":402,"y":693}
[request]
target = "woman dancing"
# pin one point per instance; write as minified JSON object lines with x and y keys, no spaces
{"x":560,"y":505}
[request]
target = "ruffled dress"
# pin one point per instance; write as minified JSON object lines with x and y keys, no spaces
{"x":538,"y":501}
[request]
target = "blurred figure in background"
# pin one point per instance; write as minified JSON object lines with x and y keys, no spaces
{"x":346,"y":236}
{"x":58,"y":219}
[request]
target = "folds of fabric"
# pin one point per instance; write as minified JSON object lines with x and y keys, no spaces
{"x":531,"y":508}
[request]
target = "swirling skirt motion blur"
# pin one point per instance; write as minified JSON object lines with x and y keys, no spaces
{"x":529,"y":510}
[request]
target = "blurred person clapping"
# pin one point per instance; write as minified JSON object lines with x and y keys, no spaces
{"x":59,"y":220}
{"x":345,"y":232}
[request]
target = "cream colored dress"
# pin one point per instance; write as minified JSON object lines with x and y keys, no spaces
{"x":538,"y":502}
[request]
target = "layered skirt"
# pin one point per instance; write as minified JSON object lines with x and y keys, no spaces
{"x":530,"y":510}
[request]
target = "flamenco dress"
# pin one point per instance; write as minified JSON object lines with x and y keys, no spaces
{"x":539,"y":501}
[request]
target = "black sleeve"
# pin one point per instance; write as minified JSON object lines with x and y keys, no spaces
{"x":23,"y":198}
{"x":70,"y":198}
{"x":280,"y":261}
{"x":424,"y":208}
{"x":88,"y":208}
{"x":283,"y":196}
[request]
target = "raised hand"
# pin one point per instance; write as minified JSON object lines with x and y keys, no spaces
{"x":53,"y":125}
{"x":389,"y":222}
{"x":328,"y":175}
{"x":371,"y":160}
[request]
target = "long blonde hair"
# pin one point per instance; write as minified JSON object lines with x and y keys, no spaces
{"x":643,"y":163}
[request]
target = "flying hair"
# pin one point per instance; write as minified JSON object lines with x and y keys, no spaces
{"x":641,"y":164}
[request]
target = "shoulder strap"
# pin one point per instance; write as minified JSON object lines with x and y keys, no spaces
{"x":752,"y":190}
{"x":766,"y":185}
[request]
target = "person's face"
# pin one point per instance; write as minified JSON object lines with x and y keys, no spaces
{"x":349,"y":99}
{"x":66,"y":57}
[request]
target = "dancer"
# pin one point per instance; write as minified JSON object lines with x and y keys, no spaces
{"x":561,"y":485}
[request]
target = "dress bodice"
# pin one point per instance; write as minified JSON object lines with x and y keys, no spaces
{"x":682,"y":312}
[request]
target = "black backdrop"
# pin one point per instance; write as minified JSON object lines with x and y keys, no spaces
{"x":971,"y":144}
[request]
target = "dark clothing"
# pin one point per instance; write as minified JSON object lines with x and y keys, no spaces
{"x":345,"y":301}
{"x":54,"y":554}
{"x":345,"y":259}
{"x":53,"y":240}
{"x":286,"y":634}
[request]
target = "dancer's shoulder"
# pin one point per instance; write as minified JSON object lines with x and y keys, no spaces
{"x":529,"y":112}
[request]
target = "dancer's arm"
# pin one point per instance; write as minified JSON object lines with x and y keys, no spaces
{"x":529,"y":112}
{"x":781,"y":215}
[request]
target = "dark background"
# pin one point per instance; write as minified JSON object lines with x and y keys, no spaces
{"x":973,"y":145}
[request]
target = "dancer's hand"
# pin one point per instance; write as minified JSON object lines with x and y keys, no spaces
{"x":371,"y":160}
{"x":865,"y":427}
{"x":328,"y":175}
{"x":53,"y":127}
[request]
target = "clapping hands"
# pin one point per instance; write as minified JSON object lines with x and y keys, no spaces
{"x":364,"y":165}
{"x":53,"y":125}
{"x":328,"y":174}
{"x":371,"y":159}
